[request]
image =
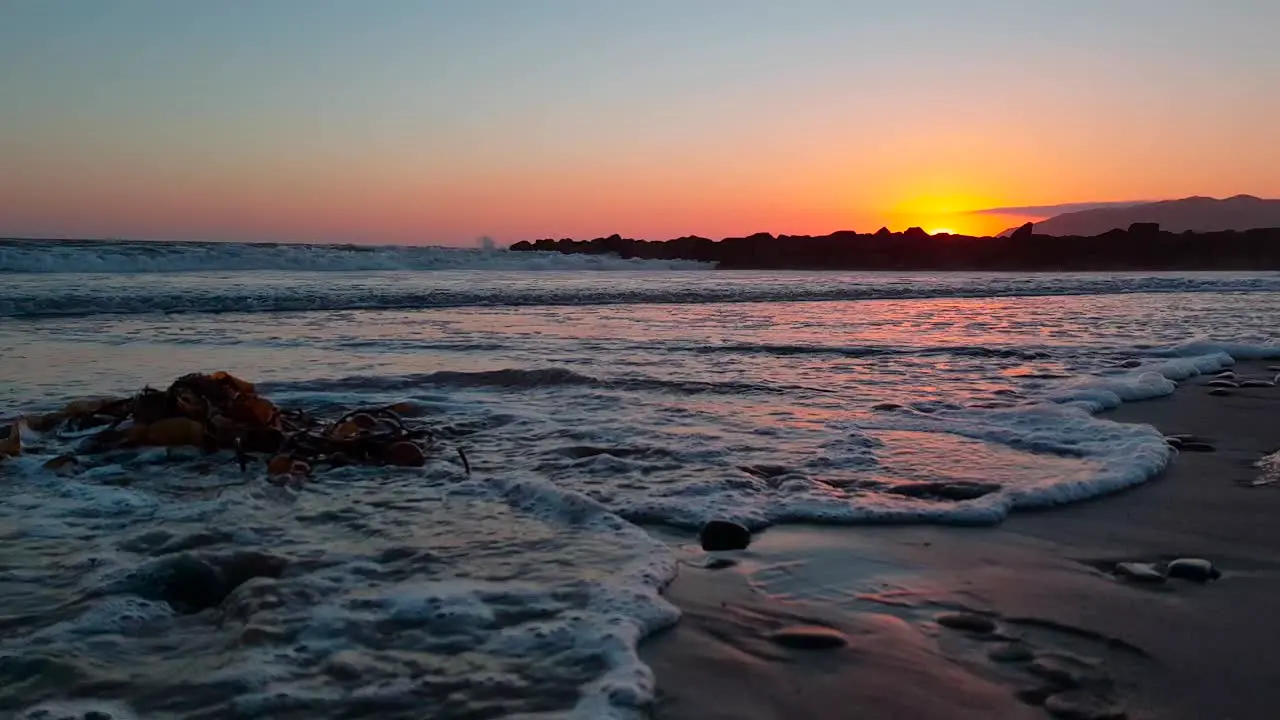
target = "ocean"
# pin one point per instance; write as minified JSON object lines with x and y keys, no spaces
{"x":596,"y":398}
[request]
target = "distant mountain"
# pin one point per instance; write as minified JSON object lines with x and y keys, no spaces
{"x":1199,"y":214}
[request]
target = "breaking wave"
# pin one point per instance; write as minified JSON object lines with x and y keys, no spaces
{"x":82,"y":256}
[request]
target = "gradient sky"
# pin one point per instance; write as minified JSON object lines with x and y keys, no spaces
{"x":436,"y":122}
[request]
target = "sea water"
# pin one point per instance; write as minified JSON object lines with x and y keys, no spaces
{"x":593,"y":396}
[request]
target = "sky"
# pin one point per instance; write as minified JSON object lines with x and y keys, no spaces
{"x":435,"y":122}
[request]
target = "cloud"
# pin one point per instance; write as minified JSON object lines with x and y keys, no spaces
{"x":1051,"y":210}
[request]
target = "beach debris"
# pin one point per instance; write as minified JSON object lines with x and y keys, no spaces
{"x":1219,"y":392}
{"x":1195,"y":569}
{"x":724,"y":535}
{"x":1139,"y":572}
{"x":219,"y":411}
{"x":1010,"y":652}
{"x":1081,"y":705}
{"x":809,"y":637}
{"x":969,"y":622}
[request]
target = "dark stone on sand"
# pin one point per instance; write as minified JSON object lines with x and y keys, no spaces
{"x":1139,"y":572}
{"x":970,"y":622}
{"x":1034,"y":696}
{"x":1197,"y":447}
{"x":720,"y":563}
{"x":1081,"y":705}
{"x":1010,"y":652}
{"x":1195,"y":569}
{"x":887,"y":406}
{"x":1131,"y":364}
{"x":809,"y":637}
{"x":1219,"y":392}
{"x":1256,"y":384}
{"x":1226,"y":375}
{"x":1173,"y":442}
{"x":946,"y":491}
{"x":1223,"y":384}
{"x":724,"y":535}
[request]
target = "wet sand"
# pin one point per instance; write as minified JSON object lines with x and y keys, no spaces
{"x":1177,"y":649}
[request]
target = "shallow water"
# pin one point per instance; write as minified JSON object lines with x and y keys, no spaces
{"x":588,"y":402}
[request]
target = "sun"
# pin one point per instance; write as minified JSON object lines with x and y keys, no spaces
{"x":942,"y":231}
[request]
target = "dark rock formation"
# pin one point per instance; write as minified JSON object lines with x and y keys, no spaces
{"x":1143,"y":247}
{"x":724,"y":535}
{"x":1024,"y":233}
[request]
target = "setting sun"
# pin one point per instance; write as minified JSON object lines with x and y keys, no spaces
{"x":942,"y":231}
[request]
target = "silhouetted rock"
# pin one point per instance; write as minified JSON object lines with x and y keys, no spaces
{"x":1144,"y":228}
{"x":724,"y":535}
{"x":1024,"y":232}
{"x":1141,"y":248}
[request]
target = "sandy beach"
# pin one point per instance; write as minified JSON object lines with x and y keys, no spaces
{"x":1067,"y":636}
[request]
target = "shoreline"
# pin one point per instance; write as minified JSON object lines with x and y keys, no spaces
{"x":1176,"y":649}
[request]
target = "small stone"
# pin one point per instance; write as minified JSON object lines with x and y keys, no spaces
{"x":1226,"y":375}
{"x":1195,"y":569}
{"x":1219,"y":392}
{"x":1223,"y":384}
{"x":1013,"y":652}
{"x":886,"y":407}
{"x":1079,"y":705}
{"x":724,"y":535}
{"x":1197,"y":447}
{"x":809,"y":637}
{"x":1173,"y":442}
{"x":720,"y":563}
{"x":1034,"y":696}
{"x":405,"y":454}
{"x":1131,"y":364}
{"x":1062,"y":670}
{"x":1139,"y":572}
{"x":967,"y":490}
{"x":1257,"y":384}
{"x":279,"y":465}
{"x":966,"y":621}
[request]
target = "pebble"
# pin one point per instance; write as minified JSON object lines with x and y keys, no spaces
{"x":1063,"y":670}
{"x":1196,"y":569}
{"x":1223,"y":384}
{"x":724,"y":535}
{"x":1131,"y":364}
{"x":886,"y":407}
{"x":1257,"y":384}
{"x":1197,"y":447}
{"x":966,"y":621}
{"x":720,"y":563}
{"x":809,"y":637}
{"x":1080,"y":705}
{"x":1219,"y":392}
{"x":405,"y":454}
{"x":1139,"y":572}
{"x":1173,"y":442}
{"x":1226,"y":375}
{"x":1013,"y":652}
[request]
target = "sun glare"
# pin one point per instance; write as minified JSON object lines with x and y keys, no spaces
{"x":942,"y":231}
